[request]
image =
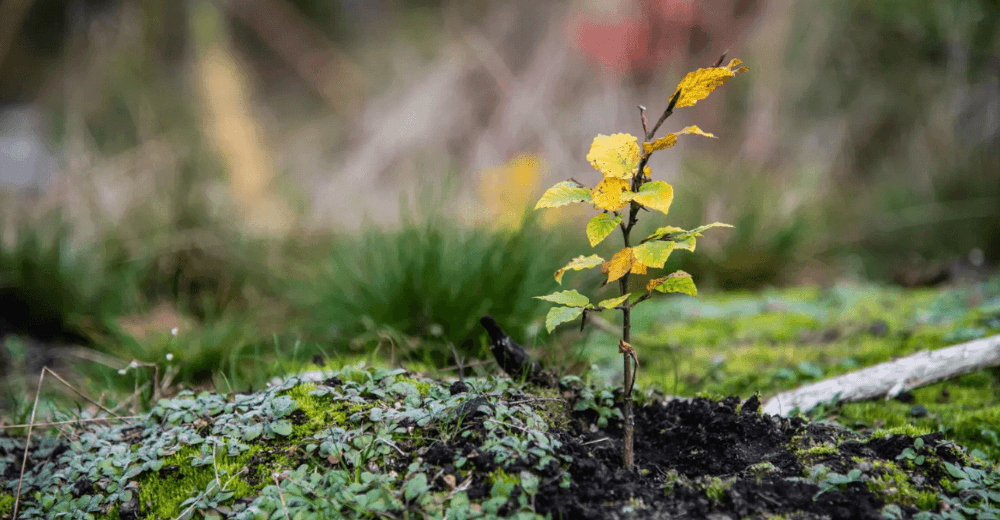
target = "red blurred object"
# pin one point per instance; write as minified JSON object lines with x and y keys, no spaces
{"x":650,"y":33}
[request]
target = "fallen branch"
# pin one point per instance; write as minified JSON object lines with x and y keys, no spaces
{"x":891,"y":378}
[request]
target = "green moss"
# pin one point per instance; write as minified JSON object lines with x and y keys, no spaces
{"x":165,"y":490}
{"x":809,"y":456}
{"x":760,"y":469}
{"x":424,"y":387}
{"x":716,"y":488}
{"x":891,"y":481}
{"x":907,"y":429}
{"x":6,"y":504}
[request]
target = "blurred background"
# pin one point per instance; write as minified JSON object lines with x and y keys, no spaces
{"x":240,"y":184}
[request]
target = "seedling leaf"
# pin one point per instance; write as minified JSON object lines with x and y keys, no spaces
{"x":653,"y":254}
{"x":699,"y":84}
{"x":619,"y":264}
{"x":563,"y":193}
{"x":697,"y":231}
{"x":570,"y":298}
{"x":608,"y":194}
{"x":578,"y":263}
{"x":611,"y":303}
{"x":669,"y":140}
{"x":663,"y":231}
{"x":678,"y":281}
{"x":615,"y":155}
{"x":558,"y":315}
{"x":654,"y":195}
{"x":601,"y":226}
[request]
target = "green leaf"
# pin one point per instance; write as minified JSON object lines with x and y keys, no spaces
{"x":578,"y":263}
{"x":656,"y":195}
{"x":563,"y":193}
{"x":559,"y":315}
{"x":678,"y":281}
{"x":654,"y":253}
{"x":416,"y":486}
{"x":570,"y":298}
{"x":601,"y":226}
{"x":613,"y":302}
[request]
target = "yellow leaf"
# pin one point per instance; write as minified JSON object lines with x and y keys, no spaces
{"x":654,"y":253}
{"x":613,"y":302}
{"x":578,"y":263}
{"x":693,"y":129}
{"x":615,"y":155}
{"x":601,"y":226}
{"x":607,"y":195}
{"x":619,"y":264}
{"x":660,"y":144}
{"x":699,"y":84}
{"x":639,"y":268}
{"x":656,"y":195}
{"x":563,"y":193}
{"x":678,"y":281}
{"x":671,"y":139}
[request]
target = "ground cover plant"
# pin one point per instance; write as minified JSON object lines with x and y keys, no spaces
{"x":381,"y":443}
{"x":626,"y":182}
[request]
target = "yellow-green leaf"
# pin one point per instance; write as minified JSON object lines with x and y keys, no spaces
{"x":678,"y":281}
{"x":601,"y":226}
{"x":656,"y":195}
{"x":607,"y":195}
{"x":685,"y":243}
{"x":661,"y":232}
{"x":570,"y":298}
{"x":611,"y":303}
{"x":578,"y":263}
{"x":619,"y":264}
{"x":699,"y":84}
{"x":615,"y":155}
{"x":653,"y":253}
{"x":559,"y":315}
{"x":697,"y":231}
{"x":563,"y":193}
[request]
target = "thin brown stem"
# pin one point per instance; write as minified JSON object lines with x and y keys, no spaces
{"x":666,"y":114}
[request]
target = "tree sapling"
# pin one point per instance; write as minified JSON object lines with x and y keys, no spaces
{"x":625,"y":184}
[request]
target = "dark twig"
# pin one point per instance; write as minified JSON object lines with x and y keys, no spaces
{"x":666,"y":114}
{"x":718,"y":63}
{"x":642,"y":114}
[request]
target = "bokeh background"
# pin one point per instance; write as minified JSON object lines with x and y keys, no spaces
{"x":247,"y":183}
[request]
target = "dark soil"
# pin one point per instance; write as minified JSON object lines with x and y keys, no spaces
{"x":691,"y":443}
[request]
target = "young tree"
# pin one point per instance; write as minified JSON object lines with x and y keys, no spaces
{"x":627,"y":187}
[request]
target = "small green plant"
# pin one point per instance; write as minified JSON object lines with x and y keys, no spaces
{"x":626,"y":183}
{"x":828,"y":480}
